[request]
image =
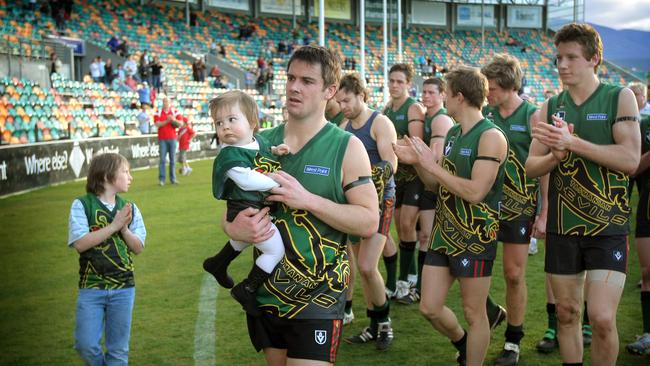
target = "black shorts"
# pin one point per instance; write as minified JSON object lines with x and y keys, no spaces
{"x":643,"y":214}
{"x":516,"y":231}
{"x":572,"y":254}
{"x":460,"y":266}
{"x":428,"y":200}
{"x":408,"y":193}
{"x":311,"y":339}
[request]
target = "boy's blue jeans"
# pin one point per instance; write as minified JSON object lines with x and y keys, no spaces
{"x":99,"y":312}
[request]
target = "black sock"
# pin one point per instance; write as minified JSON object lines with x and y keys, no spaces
{"x":348,"y":306}
{"x":552,"y":316}
{"x":422,"y":254}
{"x":572,"y":364}
{"x":391,"y":271}
{"x":645,"y":310}
{"x":406,"y":253}
{"x":379,"y":314}
{"x":585,"y":316}
{"x":514,"y":334}
{"x":461,"y":344}
{"x":491,"y":307}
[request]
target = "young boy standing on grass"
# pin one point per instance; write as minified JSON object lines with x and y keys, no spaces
{"x":237,"y":177}
{"x":106,"y":230}
{"x":185,"y":135}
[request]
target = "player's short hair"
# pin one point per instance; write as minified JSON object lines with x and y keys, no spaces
{"x":505,"y":70}
{"x":470,"y":82}
{"x":406,"y":69}
{"x":637,"y":86}
{"x":246,"y":104}
{"x":329,"y":62}
{"x":103,"y":169}
{"x":440,"y":83}
{"x":586,"y":36}
{"x":353,"y":83}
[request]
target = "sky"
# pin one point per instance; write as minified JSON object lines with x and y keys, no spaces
{"x":619,"y":14}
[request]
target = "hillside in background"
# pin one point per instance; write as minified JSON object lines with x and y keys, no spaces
{"x":626,"y":47}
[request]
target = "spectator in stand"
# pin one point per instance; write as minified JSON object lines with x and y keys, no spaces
{"x":130,"y":67}
{"x":56,"y":64}
{"x":102,"y":70}
{"x":166,"y":120}
{"x":94,"y":69}
{"x":143,"y":67}
{"x":156,"y":69}
{"x":108,"y":72}
{"x":195,"y":70}
{"x":113,"y":44}
{"x":201,"y":70}
{"x":185,"y":135}
{"x":123,"y":48}
{"x":215,"y":72}
{"x":261,"y":63}
{"x":222,"y":50}
{"x":144,"y":120}
{"x":119,"y":86}
{"x":131,"y":83}
{"x":218,"y":83}
{"x":144,"y":94}
{"x":250,"y":79}
{"x":119,"y":73}
{"x":282,"y":47}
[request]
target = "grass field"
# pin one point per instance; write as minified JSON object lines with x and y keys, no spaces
{"x":39,"y":283}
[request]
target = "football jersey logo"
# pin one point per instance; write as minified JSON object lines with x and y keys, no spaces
{"x":320,"y":336}
{"x":465,"y":262}
{"x":618,"y":255}
{"x":450,"y":143}
{"x":560,"y":114}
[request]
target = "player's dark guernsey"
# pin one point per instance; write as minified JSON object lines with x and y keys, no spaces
{"x":234,"y":156}
{"x":427,"y":125}
{"x":460,"y":227}
{"x":405,"y":172}
{"x":586,"y":198}
{"x":643,"y":179}
{"x":108,"y":265}
{"x":336,"y":120}
{"x":519,"y":200}
{"x":311,"y":280}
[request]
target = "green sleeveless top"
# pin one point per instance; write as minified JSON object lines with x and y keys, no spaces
{"x":643,"y":180}
{"x":405,"y":172}
{"x":336,"y":120}
{"x":586,"y":198}
{"x":311,"y":280}
{"x":109,"y":265}
{"x":460,"y":227}
{"x":519,"y":191}
{"x":229,"y":157}
{"x":427,"y":124}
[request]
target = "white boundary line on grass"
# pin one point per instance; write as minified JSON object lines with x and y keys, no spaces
{"x":204,"y":330}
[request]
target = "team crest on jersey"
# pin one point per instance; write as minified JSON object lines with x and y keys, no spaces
{"x":618,"y":255}
{"x":320,"y":336}
{"x":448,"y":147}
{"x":560,"y":114}
{"x":465,"y":262}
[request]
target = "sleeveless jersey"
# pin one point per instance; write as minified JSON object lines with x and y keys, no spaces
{"x":109,"y":265}
{"x":427,"y":125}
{"x":336,"y":120}
{"x":234,"y":156}
{"x":364,"y":134}
{"x":586,"y":198}
{"x":460,"y":227}
{"x":405,"y":172}
{"x":312,"y":278}
{"x":519,"y":200}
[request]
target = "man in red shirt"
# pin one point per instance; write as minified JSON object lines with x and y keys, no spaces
{"x":166,"y":120}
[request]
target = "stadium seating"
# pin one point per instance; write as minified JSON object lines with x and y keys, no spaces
{"x":30,"y":113}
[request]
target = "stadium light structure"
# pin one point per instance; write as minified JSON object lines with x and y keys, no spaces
{"x":321,"y":23}
{"x":362,"y":34}
{"x":399,"y":30}
{"x":385,"y":89}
